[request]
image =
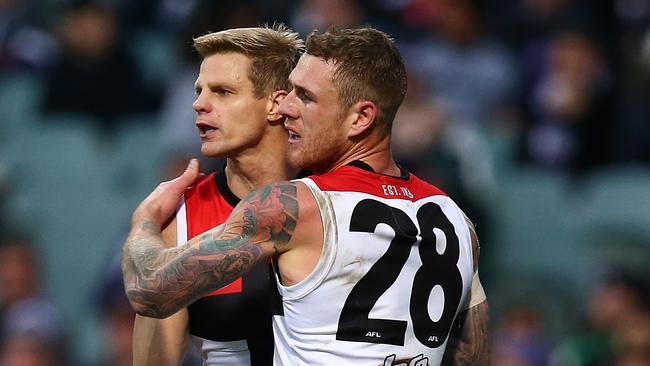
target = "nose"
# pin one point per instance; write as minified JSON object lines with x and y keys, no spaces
{"x":201,"y":104}
{"x":287,"y":107}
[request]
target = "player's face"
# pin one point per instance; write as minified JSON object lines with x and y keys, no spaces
{"x":317,"y":134}
{"x":230,"y":119}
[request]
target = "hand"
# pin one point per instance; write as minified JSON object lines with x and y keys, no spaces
{"x":161,"y":203}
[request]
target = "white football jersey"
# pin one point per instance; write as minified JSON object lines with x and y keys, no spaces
{"x":395,"y":271}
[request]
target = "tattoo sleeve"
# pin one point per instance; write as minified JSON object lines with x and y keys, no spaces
{"x":159,"y":281}
{"x":468,"y":341}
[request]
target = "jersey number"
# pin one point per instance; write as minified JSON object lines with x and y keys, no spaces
{"x":437,"y":269}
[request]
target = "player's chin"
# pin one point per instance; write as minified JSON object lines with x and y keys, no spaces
{"x":211,"y":150}
{"x":301,"y":161}
{"x":295,"y":158}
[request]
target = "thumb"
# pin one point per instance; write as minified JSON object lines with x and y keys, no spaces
{"x":162,"y":202}
{"x":189,"y":176}
{"x":177,"y":186}
{"x":192,"y":168}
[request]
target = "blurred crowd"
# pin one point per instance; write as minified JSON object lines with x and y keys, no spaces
{"x":566,"y":81}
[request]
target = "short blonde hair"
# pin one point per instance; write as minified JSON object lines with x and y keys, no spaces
{"x":273,"y":51}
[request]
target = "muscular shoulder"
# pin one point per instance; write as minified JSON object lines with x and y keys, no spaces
{"x":269,"y":214}
{"x":294,"y":203}
{"x":299,"y":256}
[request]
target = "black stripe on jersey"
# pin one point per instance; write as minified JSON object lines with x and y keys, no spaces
{"x":303,"y":173}
{"x":276,"y":299}
{"x":222,"y":184}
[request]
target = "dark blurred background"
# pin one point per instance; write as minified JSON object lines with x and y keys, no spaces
{"x":533,"y":114}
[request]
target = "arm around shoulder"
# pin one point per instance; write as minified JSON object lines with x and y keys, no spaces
{"x":160,"y":281}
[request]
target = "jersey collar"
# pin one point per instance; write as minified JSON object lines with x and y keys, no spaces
{"x":222,"y":184}
{"x":403,"y":173}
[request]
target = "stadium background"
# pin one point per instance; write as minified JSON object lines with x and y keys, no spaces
{"x":533,"y":114}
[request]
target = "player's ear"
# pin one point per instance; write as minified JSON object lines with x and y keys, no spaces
{"x":364,"y":114}
{"x":273,"y":104}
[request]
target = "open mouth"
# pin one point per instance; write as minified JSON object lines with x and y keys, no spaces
{"x":204,"y":128}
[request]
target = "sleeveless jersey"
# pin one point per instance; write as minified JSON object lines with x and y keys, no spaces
{"x":232,"y":325}
{"x":395,"y":271}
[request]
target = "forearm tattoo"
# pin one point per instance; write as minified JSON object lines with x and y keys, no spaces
{"x":468,"y":345}
{"x":160,"y":281}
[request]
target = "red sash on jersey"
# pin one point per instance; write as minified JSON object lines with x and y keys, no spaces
{"x":206,"y":208}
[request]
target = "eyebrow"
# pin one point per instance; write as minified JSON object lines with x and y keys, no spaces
{"x":213,"y":85}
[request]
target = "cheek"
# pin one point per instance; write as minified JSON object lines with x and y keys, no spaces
{"x":322,"y":143}
{"x":246,"y":122}
{"x":317,"y":127}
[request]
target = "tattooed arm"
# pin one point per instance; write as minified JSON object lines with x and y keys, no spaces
{"x":468,"y":343}
{"x":159,"y":281}
{"x":468,"y":340}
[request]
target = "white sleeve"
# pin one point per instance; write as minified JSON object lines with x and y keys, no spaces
{"x":477,"y":294}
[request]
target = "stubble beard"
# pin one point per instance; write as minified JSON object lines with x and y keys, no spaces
{"x":317,"y":156}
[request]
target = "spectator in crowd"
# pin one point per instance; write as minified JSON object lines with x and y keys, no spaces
{"x":31,"y":328}
{"x":470,"y":73}
{"x":24,"y":41}
{"x":618,"y":307}
{"x":632,"y":343}
{"x":519,"y":338}
{"x":634,"y":109}
{"x":320,"y":14}
{"x":94,"y":74}
{"x":568,"y":109}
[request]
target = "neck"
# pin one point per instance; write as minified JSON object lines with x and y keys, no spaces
{"x":245,"y":174}
{"x":376,"y":153}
